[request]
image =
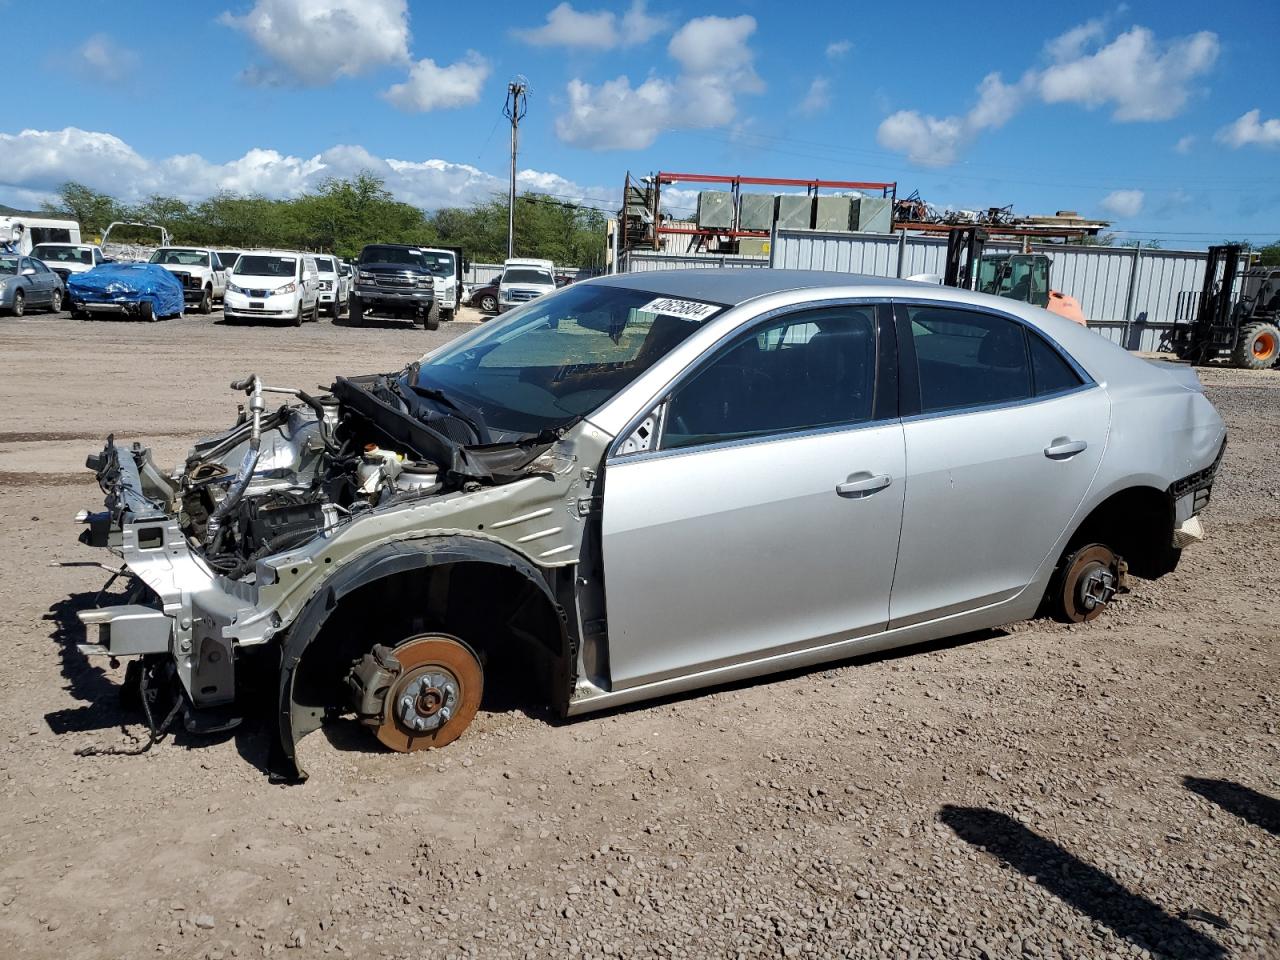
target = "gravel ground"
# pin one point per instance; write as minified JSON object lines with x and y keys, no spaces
{"x":1108,"y":790}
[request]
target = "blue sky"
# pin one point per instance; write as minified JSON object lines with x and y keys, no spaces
{"x":1157,"y":115}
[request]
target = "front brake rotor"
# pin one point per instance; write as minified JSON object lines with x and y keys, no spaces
{"x":436,"y":695}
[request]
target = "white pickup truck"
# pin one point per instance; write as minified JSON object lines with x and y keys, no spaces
{"x":64,"y":259}
{"x":203,"y":277}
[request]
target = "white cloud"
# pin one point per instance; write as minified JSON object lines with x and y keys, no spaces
{"x":1070,"y":45}
{"x":936,"y":141}
{"x":707,"y":45}
{"x":1250,"y":128}
{"x":837,"y":49}
{"x":567,"y":26}
{"x":104,"y":60}
{"x":37,"y":162}
{"x":817,"y":99}
{"x":716,"y":65}
{"x":1141,"y":78}
{"x":1123,"y":203}
{"x":639,"y":26}
{"x":432,"y":87}
{"x":1185,"y":144}
{"x":42,"y":159}
{"x":314,"y":42}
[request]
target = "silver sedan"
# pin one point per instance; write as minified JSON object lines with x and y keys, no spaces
{"x":655,"y":482}
{"x":27,"y":282}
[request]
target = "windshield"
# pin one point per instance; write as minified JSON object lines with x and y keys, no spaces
{"x":228,"y":257}
{"x":259,"y":266}
{"x":407,"y":255}
{"x":182,"y":258}
{"x":324,"y":265}
{"x":548,"y":364}
{"x":441,"y":264}
{"x":8,"y":265}
{"x":52,"y":253}
{"x":528,"y":275}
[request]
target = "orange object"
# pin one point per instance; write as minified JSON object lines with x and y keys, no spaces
{"x":1065,"y":306}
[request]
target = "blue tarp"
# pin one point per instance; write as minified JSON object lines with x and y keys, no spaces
{"x":125,"y":283}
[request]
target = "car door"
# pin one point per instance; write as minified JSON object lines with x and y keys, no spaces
{"x":766,"y":517}
{"x":1004,"y":434}
{"x":39,"y":290}
{"x":218,"y":271}
{"x":49,"y":280}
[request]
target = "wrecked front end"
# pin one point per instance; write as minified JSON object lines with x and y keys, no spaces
{"x":240,"y":551}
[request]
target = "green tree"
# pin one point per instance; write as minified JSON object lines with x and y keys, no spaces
{"x":1268,"y":256}
{"x":342,"y":215}
{"x":94,"y":211}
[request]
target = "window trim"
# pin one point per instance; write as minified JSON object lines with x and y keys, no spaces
{"x":909,"y":371}
{"x":884,"y":400}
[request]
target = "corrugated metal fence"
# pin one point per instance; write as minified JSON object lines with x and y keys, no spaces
{"x":1131,"y":295}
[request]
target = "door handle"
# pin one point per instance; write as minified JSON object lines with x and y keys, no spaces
{"x":863,"y":484}
{"x":1063,"y":448}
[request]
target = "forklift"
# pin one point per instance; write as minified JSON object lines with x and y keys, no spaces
{"x":1244,"y":331}
{"x":1016,"y":276}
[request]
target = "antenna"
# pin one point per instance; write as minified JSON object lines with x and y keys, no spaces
{"x":514,"y":109}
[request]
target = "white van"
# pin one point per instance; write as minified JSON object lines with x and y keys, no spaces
{"x":524,"y":279}
{"x":273,"y":284}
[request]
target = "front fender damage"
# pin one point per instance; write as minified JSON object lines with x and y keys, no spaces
{"x":297,"y":716}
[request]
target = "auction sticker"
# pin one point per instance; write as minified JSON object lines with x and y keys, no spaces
{"x":689,"y":309}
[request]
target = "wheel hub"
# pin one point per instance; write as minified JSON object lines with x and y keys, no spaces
{"x":1097,"y":586}
{"x":434,"y":695}
{"x":427,"y":701}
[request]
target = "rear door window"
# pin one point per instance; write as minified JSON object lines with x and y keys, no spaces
{"x":968,"y":359}
{"x":1050,"y":371}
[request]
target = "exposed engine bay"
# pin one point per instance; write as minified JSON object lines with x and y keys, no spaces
{"x":279,"y":478}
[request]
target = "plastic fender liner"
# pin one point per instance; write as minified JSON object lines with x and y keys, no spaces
{"x":295,"y":721}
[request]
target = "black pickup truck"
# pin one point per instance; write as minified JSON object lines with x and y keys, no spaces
{"x":394,"y":280}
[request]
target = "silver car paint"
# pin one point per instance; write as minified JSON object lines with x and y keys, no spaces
{"x":1161,"y":429}
{"x":731,"y":551}
{"x":985,"y":503}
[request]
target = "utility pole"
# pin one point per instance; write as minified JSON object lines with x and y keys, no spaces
{"x":514,"y":109}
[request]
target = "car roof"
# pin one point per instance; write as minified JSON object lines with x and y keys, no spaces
{"x":735,"y":286}
{"x":274,"y":253}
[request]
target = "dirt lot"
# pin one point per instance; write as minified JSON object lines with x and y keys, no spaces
{"x":1111,"y":790}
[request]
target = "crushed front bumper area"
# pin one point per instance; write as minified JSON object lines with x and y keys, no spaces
{"x":179,"y":607}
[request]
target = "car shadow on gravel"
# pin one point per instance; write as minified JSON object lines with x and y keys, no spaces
{"x":86,"y":681}
{"x":374,"y":323}
{"x":1079,"y":884}
{"x":1257,"y":808}
{"x":863,"y":659}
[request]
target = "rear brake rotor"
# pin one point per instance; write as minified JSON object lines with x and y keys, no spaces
{"x":1088,"y":584}
{"x":436,"y":695}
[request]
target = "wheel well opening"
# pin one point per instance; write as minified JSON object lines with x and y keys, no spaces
{"x":1137,"y":523}
{"x":504,"y":617}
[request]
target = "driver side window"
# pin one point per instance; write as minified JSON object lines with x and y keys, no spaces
{"x":806,"y":370}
